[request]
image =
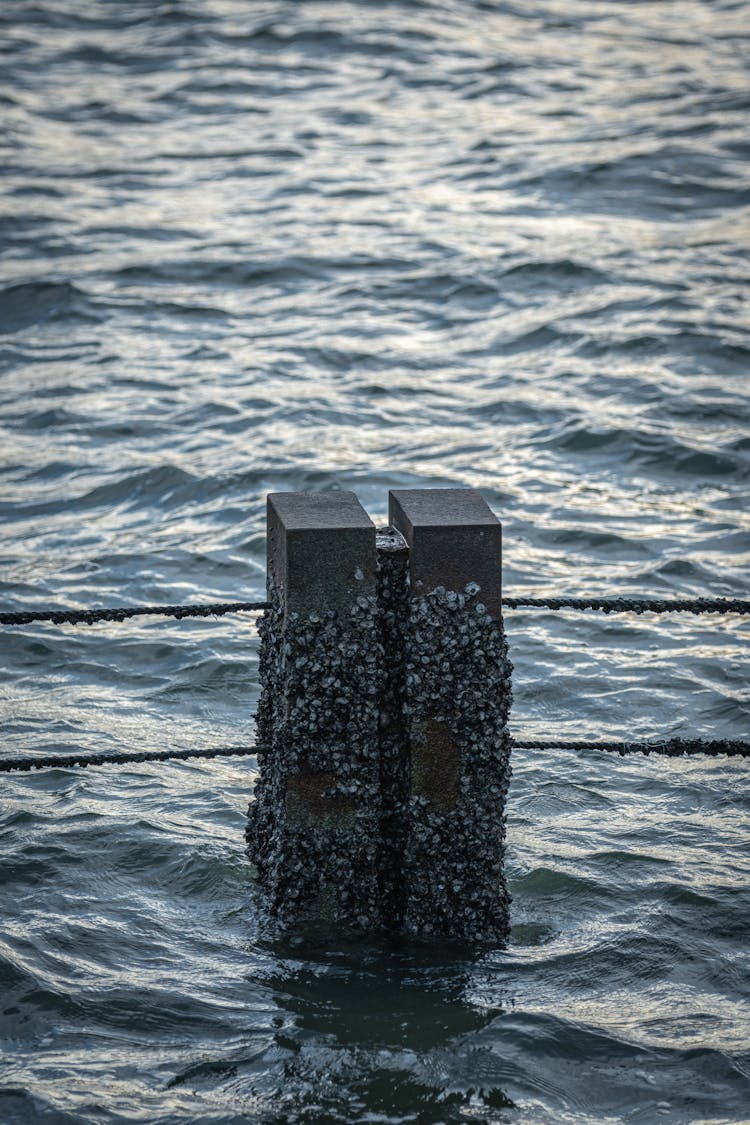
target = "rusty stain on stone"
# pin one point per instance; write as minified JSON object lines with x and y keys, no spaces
{"x":435,"y":765}
{"x":311,"y":799}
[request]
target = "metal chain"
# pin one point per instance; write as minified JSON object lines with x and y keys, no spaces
{"x":64,"y":761}
{"x":219,"y":609}
{"x":635,"y":605}
{"x":89,"y":616}
{"x":671,"y":747}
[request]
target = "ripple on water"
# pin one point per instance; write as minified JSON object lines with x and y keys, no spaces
{"x":259,"y":248}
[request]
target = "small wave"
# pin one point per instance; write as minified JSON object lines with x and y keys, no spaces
{"x":546,"y":883}
{"x":146,"y":489}
{"x":557,"y":274}
{"x":22,"y":306}
{"x":654,"y":448}
{"x":166,"y":484}
{"x":289,"y":272}
{"x":19,"y":1106}
{"x":662,"y":184}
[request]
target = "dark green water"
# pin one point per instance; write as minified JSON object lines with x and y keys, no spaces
{"x":254,"y":246}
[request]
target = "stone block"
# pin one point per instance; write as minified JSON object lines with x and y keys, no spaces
{"x":457,"y":697}
{"x":454,"y":539}
{"x":313,"y":828}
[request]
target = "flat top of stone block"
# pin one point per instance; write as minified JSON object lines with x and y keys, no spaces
{"x":441,"y":507}
{"x":319,"y":511}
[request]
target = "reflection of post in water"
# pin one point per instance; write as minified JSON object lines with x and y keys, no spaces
{"x":390,"y":1028}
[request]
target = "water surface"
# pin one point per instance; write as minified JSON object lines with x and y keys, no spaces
{"x":271,"y":246}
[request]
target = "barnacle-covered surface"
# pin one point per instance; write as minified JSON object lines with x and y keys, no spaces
{"x":381,"y":796}
{"x":313,"y":825}
{"x":458,"y":697}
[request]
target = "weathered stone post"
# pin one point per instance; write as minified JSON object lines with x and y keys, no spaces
{"x":457,"y":699}
{"x":382,"y":722}
{"x":314,"y":825}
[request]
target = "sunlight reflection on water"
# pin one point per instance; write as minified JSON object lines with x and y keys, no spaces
{"x":339,"y":245}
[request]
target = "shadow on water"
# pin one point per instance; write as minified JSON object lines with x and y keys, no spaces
{"x":376,"y":1030}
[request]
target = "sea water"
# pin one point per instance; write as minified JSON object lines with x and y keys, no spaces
{"x":266,"y":246}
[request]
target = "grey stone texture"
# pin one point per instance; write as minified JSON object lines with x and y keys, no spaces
{"x":320,"y":550}
{"x":454,"y":538}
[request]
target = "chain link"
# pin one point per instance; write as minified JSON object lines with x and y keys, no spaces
{"x":122,"y":613}
{"x":671,"y":747}
{"x":219,"y":609}
{"x":65,"y":761}
{"x":635,"y":605}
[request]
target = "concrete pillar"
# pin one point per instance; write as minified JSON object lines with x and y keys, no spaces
{"x":457,"y":697}
{"x":314,"y":825}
